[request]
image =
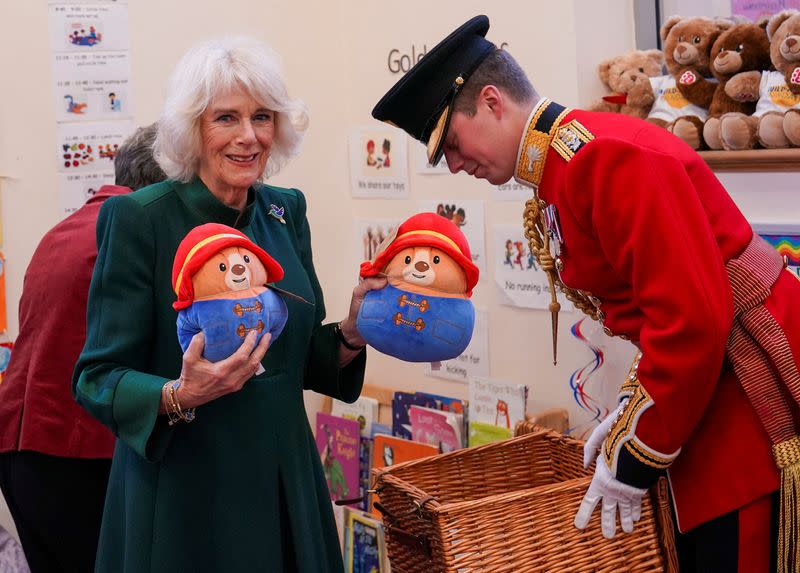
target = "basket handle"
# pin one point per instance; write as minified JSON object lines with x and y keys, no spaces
{"x":410,"y":540}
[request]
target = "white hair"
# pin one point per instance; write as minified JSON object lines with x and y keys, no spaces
{"x":214,"y":68}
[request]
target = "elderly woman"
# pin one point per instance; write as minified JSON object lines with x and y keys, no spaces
{"x":240,"y":488}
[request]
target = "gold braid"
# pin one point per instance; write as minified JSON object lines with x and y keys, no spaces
{"x":539,"y":243}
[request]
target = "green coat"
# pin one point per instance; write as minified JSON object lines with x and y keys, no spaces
{"x":241,"y":488}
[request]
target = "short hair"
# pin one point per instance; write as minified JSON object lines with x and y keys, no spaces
{"x":134,"y":164}
{"x":211,"y":69}
{"x":498,"y":69}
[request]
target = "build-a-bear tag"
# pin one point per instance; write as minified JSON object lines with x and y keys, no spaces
{"x":795,"y":79}
{"x":688,"y":78}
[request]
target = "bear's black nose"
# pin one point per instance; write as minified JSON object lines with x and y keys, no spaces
{"x":238,"y":270}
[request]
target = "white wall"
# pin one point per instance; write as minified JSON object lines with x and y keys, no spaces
{"x":335,"y":56}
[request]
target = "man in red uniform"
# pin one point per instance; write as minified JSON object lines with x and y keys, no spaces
{"x":54,"y":457}
{"x":642,"y":237}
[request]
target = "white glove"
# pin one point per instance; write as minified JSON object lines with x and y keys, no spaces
{"x":614,"y":494}
{"x":592,"y":445}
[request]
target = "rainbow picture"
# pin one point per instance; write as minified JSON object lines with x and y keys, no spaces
{"x":786,"y":240}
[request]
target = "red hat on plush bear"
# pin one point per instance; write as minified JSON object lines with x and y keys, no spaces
{"x":428,"y":230}
{"x":203,"y":242}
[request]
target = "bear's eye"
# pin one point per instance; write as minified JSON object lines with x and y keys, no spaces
{"x":696,"y":39}
{"x":222,"y":267}
{"x":621,"y":73}
{"x":436,"y":260}
{"x":641,"y":70}
{"x":740,"y":47}
{"x":246,"y":258}
{"x":408,"y":259}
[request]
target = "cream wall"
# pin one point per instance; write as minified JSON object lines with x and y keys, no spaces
{"x":335,"y":56}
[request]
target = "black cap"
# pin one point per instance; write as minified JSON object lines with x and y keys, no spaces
{"x":420,"y":103}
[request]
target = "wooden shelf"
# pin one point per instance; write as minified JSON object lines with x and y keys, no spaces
{"x":753,"y":160}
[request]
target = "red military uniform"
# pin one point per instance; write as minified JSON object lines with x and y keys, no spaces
{"x":646,"y":232}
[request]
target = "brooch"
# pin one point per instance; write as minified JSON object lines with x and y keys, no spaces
{"x":277,"y":212}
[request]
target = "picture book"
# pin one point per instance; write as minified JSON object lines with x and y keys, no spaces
{"x":390,"y":450}
{"x":495,"y":403}
{"x":480,"y":433}
{"x":338,"y":445}
{"x":444,"y":430}
{"x":365,"y":547}
{"x":364,"y":410}
{"x":402,"y":401}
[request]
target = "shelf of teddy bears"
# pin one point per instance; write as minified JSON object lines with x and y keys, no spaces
{"x":753,"y":160}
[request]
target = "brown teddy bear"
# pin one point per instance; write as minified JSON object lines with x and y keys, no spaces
{"x":628,"y":78}
{"x":776,"y":120}
{"x":743,"y":47}
{"x":681,"y":98}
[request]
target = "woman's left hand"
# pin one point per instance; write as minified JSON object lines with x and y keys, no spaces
{"x":348,"y":325}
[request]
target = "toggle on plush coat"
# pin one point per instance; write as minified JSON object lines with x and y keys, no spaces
{"x":424,"y":313}
{"x":220,"y":277}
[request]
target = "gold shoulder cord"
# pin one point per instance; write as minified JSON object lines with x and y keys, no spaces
{"x":539,"y":244}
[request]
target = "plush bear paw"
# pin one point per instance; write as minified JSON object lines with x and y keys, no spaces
{"x":737,"y":131}
{"x":791,"y":126}
{"x":689,"y":131}
{"x":711,"y":133}
{"x":770,"y":131}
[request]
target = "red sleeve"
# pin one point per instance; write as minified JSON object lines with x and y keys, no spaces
{"x":650,"y":224}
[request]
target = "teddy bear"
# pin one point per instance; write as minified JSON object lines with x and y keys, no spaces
{"x":683,"y":96}
{"x":776,"y":120}
{"x":743,"y":47}
{"x":628,"y":78}
{"x":220,"y":279}
{"x":424,"y":313}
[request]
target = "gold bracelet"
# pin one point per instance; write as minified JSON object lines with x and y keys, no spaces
{"x":169,"y":404}
{"x":185,"y":415}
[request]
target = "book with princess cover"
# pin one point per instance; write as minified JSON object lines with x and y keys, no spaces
{"x":495,"y":407}
{"x":338,"y":443}
{"x":438,"y":428}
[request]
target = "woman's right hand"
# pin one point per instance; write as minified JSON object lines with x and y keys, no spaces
{"x":203,"y":381}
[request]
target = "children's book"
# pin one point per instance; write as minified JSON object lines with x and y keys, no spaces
{"x":480,"y":433}
{"x":437,"y":428}
{"x":494,"y":403}
{"x":390,"y":450}
{"x":365,"y":410}
{"x":402,"y":401}
{"x":455,"y":405}
{"x":338,"y":445}
{"x":365,"y":547}
{"x":364,"y":461}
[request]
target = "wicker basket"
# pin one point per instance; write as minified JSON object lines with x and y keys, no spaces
{"x":509,"y":506}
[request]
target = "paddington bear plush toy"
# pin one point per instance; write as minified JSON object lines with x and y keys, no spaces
{"x":220,"y":278}
{"x":424,"y":313}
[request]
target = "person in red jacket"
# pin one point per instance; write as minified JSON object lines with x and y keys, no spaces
{"x":54,"y":457}
{"x":638,"y":232}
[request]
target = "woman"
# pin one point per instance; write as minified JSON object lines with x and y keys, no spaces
{"x":240,"y":488}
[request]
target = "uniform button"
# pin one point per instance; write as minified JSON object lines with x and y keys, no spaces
{"x":607,"y":331}
{"x":559,"y":265}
